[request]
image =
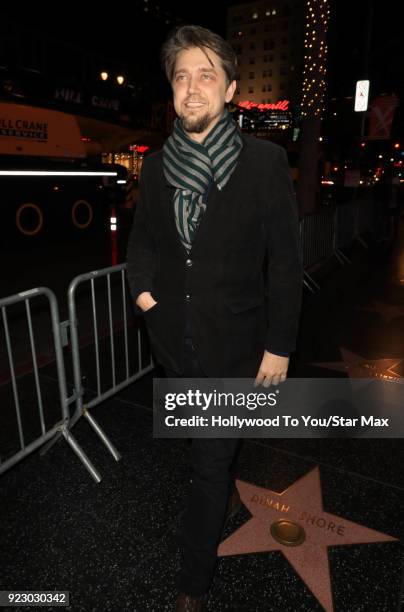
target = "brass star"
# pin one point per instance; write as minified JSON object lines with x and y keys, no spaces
{"x":357,"y":366}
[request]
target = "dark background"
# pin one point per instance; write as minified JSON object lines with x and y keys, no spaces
{"x":125,"y":32}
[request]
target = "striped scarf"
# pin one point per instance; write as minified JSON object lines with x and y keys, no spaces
{"x":191,"y":167}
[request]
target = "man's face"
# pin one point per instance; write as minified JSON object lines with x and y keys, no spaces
{"x":200,"y":90}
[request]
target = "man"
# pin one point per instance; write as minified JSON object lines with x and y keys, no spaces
{"x":214,"y":266}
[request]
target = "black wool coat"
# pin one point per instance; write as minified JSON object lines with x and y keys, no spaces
{"x":241,"y":281}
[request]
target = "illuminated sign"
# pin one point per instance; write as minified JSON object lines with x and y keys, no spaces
{"x":139,"y":148}
{"x":272,"y":116}
{"x":361,"y":95}
{"x":282,"y":105}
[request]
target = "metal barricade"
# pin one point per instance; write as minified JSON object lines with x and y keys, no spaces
{"x":321,"y":236}
{"x":365,"y":217}
{"x":61,"y":426}
{"x":83,"y":409}
{"x":324,"y":233}
{"x":344,"y":232}
{"x":317,"y":236}
{"x":317,"y":240}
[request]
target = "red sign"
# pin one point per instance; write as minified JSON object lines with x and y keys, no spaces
{"x":281,"y":105}
{"x":381,"y":117}
{"x":139,"y":148}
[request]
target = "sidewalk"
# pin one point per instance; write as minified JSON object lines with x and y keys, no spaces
{"x":113,"y":545}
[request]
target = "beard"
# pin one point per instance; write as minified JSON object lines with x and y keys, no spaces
{"x":197,"y":124}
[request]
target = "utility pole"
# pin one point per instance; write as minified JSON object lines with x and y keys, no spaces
{"x":365,"y":76}
{"x":313,"y":93}
{"x":366,"y":71}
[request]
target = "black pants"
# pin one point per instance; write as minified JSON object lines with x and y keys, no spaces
{"x":213,"y":463}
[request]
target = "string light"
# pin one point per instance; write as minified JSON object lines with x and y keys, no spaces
{"x":315,"y":46}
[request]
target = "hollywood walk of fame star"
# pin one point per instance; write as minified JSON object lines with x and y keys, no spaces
{"x":357,"y":366}
{"x":389,"y":312}
{"x":301,"y":503}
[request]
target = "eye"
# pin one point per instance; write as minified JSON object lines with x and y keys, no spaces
{"x":207,"y":75}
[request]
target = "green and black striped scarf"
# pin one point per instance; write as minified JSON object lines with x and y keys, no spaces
{"x":191,"y":167}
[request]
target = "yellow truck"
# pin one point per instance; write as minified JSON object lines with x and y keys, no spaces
{"x":48,"y":185}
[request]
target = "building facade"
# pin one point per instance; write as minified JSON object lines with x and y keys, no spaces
{"x":268,"y":37}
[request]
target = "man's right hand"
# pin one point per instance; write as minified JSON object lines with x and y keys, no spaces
{"x":145,"y":301}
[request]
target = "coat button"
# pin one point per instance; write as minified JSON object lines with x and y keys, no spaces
{"x":189,"y":263}
{"x":188,"y":297}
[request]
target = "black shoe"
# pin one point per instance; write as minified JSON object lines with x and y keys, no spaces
{"x":189,"y":603}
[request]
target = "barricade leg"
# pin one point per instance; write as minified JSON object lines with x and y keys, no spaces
{"x":81,"y":454}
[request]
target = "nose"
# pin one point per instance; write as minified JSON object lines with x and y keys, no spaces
{"x":192,"y":84}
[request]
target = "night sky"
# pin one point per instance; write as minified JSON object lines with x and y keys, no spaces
{"x":125,"y":32}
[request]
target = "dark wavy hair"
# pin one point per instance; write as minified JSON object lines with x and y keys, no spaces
{"x":188,"y":36}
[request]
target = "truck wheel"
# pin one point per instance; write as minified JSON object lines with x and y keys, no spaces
{"x":27,"y":223}
{"x":77,"y":214}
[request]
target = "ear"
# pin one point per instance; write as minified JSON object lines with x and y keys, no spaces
{"x":230,"y":91}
